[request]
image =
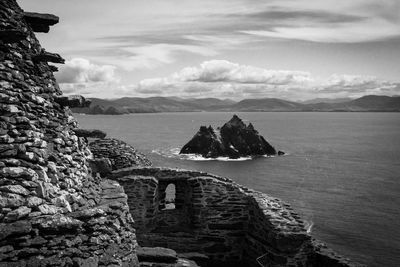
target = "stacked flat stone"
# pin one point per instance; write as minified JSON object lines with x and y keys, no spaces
{"x":53,"y":212}
{"x":120,"y":154}
{"x":214,"y":216}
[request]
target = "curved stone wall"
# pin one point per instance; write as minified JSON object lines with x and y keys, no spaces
{"x":120,"y":154}
{"x":52,"y":211}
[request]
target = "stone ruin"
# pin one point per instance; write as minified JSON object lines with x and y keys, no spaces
{"x":55,"y":210}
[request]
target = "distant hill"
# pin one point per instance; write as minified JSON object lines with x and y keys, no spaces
{"x":326,"y":100}
{"x":267,"y":104}
{"x":127,"y":105}
{"x":365,"y":103}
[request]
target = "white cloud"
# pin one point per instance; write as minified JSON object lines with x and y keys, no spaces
{"x":357,"y":85}
{"x":224,"y":79}
{"x":340,"y":33}
{"x":225,"y":71}
{"x":80,"y":70}
{"x":154,"y":55}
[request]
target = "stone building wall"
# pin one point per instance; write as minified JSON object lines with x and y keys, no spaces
{"x":229,"y":223}
{"x":214,"y":216}
{"x":52,"y":211}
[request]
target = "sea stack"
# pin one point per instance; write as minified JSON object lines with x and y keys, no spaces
{"x":234,"y":139}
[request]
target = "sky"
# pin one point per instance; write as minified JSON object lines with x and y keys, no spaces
{"x":236,"y":49}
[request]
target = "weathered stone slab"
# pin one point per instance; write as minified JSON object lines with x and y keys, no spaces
{"x":40,"y":22}
{"x":156,"y":254}
{"x":48,"y":57}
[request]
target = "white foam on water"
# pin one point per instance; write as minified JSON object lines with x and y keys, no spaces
{"x":174,"y":153}
{"x":309,"y":226}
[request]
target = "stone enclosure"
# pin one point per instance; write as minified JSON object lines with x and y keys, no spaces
{"x":229,"y":223}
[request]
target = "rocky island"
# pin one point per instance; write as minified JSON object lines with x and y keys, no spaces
{"x":234,"y":139}
{"x":65,"y":201}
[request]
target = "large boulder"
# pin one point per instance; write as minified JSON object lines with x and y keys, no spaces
{"x":235,"y":139}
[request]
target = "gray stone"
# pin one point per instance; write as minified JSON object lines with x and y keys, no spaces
{"x":57,"y":222}
{"x":10,"y":200}
{"x":17,"y":214}
{"x":48,"y":57}
{"x":15,"y":228}
{"x":40,"y":22}
{"x":33,"y":202}
{"x":48,"y":209}
{"x":101,"y":166}
{"x":156,"y":254}
{"x":16,"y":189}
{"x":18,"y":172}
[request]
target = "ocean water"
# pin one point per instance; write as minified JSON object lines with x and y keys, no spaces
{"x":341,"y":171}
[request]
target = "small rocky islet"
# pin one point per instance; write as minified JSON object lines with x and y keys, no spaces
{"x":234,"y":139}
{"x":72,"y":197}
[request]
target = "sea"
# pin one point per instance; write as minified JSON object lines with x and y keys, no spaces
{"x":341,"y":171}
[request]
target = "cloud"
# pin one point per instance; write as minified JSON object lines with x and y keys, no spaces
{"x":79,"y":70}
{"x":224,"y":79}
{"x":150,"y":56}
{"x":357,"y":85}
{"x":80,"y":76}
{"x":328,"y":21}
{"x":225,"y":71}
{"x":340,"y":33}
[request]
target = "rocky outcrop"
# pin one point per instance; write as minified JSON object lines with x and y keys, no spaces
{"x":235,"y":139}
{"x":53,"y":211}
{"x":120,"y":154}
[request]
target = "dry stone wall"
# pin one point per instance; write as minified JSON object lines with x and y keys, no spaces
{"x":52,"y":211}
{"x":229,"y":223}
{"x":120,"y":154}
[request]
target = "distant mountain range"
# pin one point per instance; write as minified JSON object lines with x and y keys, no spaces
{"x":127,"y":105}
